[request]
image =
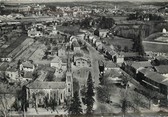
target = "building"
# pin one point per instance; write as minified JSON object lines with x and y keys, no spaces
{"x":153,"y":80}
{"x":119,"y":59}
{"x":82,"y":62}
{"x":12,"y":74}
{"x":103,"y":33}
{"x":162,"y":69}
{"x":62,"y":52}
{"x":27,"y":66}
{"x":76,"y":46}
{"x":34,"y":33}
{"x":56,"y":62}
{"x":41,"y":91}
{"x":59,"y":63}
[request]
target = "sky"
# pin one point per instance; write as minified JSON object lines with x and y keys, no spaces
{"x":17,"y":1}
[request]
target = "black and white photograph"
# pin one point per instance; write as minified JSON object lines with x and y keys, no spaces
{"x":83,"y":58}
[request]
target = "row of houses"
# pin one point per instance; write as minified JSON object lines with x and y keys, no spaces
{"x":107,"y":50}
{"x":152,"y":77}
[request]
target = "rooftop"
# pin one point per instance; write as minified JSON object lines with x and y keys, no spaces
{"x":154,"y":76}
{"x":27,"y":64}
{"x":110,"y":64}
{"x":28,"y":75}
{"x":162,"y":69}
{"x":75,"y":44}
{"x":46,"y":85}
{"x":56,"y":59}
{"x":137,"y":65}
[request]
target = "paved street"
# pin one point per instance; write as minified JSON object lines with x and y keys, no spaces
{"x":95,"y":57}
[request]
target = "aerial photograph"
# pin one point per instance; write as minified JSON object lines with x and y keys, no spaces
{"x":83,"y":58}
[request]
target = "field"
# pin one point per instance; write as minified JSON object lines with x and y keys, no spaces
{"x":123,"y":42}
{"x":69,"y":29}
{"x":155,"y":47}
{"x":14,"y":44}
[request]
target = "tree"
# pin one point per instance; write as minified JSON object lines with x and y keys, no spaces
{"x":53,"y":103}
{"x":75,"y":106}
{"x":6,"y":101}
{"x":96,"y":32}
{"x":106,"y":23}
{"x":89,"y":95}
{"x":103,"y":94}
{"x":3,"y":102}
{"x":24,"y":102}
{"x":124,"y":103}
{"x":126,"y":49}
{"x":118,"y":48}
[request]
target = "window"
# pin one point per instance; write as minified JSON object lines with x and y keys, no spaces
{"x":61,"y":96}
{"x":69,"y":90}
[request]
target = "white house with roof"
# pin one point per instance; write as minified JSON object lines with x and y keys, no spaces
{"x":103,"y":33}
{"x":56,"y":62}
{"x":34,"y":33}
{"x":62,"y":52}
{"x":27,"y":66}
{"x":12,"y":74}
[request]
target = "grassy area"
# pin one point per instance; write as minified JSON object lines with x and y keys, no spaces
{"x":69,"y":29}
{"x":121,"y":42}
{"x":13,"y":45}
{"x":153,"y":36}
{"x":154,"y":47}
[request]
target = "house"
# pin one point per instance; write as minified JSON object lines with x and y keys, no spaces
{"x":27,"y":76}
{"x":164,"y":30}
{"x":99,"y":44}
{"x":133,"y":67}
{"x":118,"y":58}
{"x":76,"y":46}
{"x":27,"y":66}
{"x":81,"y":36}
{"x":56,"y":62}
{"x":103,"y":33}
{"x":153,"y":80}
{"x":12,"y":74}
{"x":34,"y":33}
{"x":162,"y":69}
{"x":62,"y":52}
{"x":99,"y":47}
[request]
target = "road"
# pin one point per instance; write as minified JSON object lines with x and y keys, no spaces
{"x":95,"y":57}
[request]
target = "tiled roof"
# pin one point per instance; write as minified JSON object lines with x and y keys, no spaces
{"x":162,"y":69}
{"x":110,"y":64}
{"x":28,"y":75}
{"x":47,"y":85}
{"x":56,"y":59}
{"x":27,"y":64}
{"x":154,"y":76}
{"x":137,"y":65}
{"x":11,"y":69}
{"x":75,"y":44}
